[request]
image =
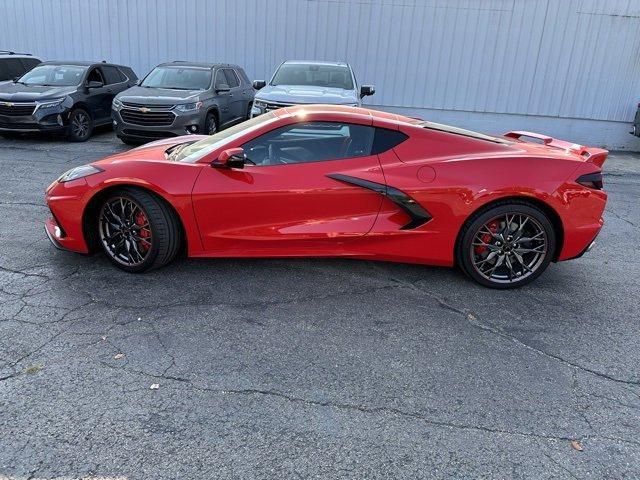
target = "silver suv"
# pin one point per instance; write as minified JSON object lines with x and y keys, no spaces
{"x":300,"y":82}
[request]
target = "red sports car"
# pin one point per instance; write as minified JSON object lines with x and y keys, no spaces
{"x":331,"y":181}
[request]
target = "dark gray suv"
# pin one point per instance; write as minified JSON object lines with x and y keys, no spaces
{"x":179,"y":98}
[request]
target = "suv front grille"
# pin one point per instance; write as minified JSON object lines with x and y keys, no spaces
{"x":16,"y":109}
{"x":276,"y":105}
{"x":149,"y":118}
{"x":151,"y":107}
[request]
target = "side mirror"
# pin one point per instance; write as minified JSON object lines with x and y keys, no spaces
{"x":230,"y":158}
{"x":258,"y":84}
{"x":95,"y":84}
{"x":366,"y":90}
{"x":223,"y":88}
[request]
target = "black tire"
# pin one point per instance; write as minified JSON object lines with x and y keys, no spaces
{"x":80,"y":125}
{"x":210,"y":124}
{"x":477,"y":242}
{"x":165,"y":229}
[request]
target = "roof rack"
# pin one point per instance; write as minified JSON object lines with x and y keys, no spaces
{"x":9,"y":52}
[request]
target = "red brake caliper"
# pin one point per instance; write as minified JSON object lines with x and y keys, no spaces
{"x":141,"y":219}
{"x":486,"y":238}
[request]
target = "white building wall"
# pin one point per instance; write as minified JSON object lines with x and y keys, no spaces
{"x":568,"y":68}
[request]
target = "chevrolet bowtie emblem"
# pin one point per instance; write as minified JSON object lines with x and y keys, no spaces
{"x":7,"y":104}
{"x":144,"y":109}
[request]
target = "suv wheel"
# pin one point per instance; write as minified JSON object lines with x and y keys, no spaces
{"x":210,"y":124}
{"x":80,"y":125}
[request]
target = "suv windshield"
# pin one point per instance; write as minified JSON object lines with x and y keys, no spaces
{"x":334,"y":76}
{"x":178,"y":78}
{"x":192,"y":153}
{"x":54,"y":75}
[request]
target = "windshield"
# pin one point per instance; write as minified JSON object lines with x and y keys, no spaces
{"x":333,"y":76}
{"x":178,"y":78}
{"x":54,"y":75}
{"x":194,"y":152}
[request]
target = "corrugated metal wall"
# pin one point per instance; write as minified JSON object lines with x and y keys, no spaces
{"x":563,"y":59}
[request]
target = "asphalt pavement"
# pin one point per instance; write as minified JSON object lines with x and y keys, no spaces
{"x":310,"y":368}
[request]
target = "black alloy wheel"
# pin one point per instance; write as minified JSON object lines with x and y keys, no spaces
{"x":80,"y":125}
{"x":211,"y":124}
{"x":507,"y":246}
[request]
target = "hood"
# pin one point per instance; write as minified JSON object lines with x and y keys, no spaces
{"x":17,"y":92}
{"x":307,"y":94}
{"x":153,"y":151}
{"x":158,"y":96}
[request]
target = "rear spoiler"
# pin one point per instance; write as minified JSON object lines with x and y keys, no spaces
{"x":597,"y":156}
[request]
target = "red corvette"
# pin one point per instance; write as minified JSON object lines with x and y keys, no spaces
{"x":329,"y":181}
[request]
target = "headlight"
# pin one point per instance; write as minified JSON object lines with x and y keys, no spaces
{"x":116,"y":104}
{"x":49,"y":103}
{"x":185,"y":107}
{"x":79,"y":172}
{"x":259,"y":104}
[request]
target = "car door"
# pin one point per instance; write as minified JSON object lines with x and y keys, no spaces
{"x":98,"y":98}
{"x":223,"y":98}
{"x":293,"y":198}
{"x":236,"y":99}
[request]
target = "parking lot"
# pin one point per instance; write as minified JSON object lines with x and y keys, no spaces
{"x":310,"y":368}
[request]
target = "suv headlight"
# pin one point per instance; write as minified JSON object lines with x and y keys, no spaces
{"x":49,"y":103}
{"x":79,"y":172}
{"x":116,"y":104}
{"x":260,"y":104}
{"x":186,"y":107}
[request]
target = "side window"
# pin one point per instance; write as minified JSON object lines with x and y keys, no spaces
{"x":95,"y":76}
{"x":4,"y":71}
{"x":221,"y":79}
{"x":232,"y":78}
{"x":386,"y":139}
{"x":310,"y":142}
{"x":112,"y":74}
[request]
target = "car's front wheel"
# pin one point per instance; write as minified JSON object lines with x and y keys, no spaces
{"x":138,"y":231}
{"x":210,"y":124}
{"x":507,"y":245}
{"x":80,"y":125}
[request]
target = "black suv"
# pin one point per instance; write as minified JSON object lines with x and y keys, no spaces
{"x":178,"y":98}
{"x":14,"y":65}
{"x":63,"y":97}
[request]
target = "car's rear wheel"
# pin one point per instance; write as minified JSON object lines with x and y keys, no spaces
{"x":80,"y":125}
{"x":507,"y":245}
{"x":138,"y":231}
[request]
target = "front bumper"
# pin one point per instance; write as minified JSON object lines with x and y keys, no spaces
{"x":183,"y":124}
{"x":52,"y":120}
{"x":66,"y":202}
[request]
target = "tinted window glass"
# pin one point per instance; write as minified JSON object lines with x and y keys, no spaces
{"x":310,"y":142}
{"x":232,"y":78}
{"x":112,"y":74}
{"x":385,"y":139}
{"x":55,"y":75}
{"x":221,"y":78}
{"x":95,"y":75}
{"x":334,"y":76}
{"x":179,"y":78}
{"x":4,"y":73}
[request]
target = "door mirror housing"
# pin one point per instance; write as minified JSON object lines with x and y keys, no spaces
{"x":366,"y":90}
{"x":230,"y":158}
{"x":95,"y":84}
{"x":258,"y":84}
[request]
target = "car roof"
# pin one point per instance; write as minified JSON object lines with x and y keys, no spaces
{"x":181,"y":63}
{"x":16,"y":55}
{"x":318,"y":62}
